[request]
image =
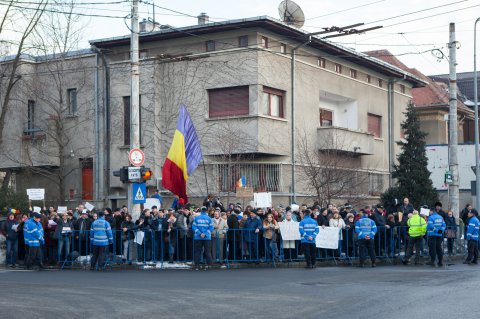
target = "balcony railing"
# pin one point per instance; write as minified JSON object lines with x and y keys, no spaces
{"x":345,"y":140}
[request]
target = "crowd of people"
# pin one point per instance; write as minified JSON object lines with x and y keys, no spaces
{"x":216,"y":234}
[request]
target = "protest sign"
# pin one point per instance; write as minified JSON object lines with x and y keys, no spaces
{"x":328,"y":238}
{"x":289,"y":230}
{"x":36,"y":193}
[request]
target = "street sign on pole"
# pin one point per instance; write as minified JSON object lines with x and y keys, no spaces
{"x":134,"y":173}
{"x":139,"y":193}
{"x":136,"y":157}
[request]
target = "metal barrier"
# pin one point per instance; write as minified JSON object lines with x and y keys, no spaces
{"x":159,"y":247}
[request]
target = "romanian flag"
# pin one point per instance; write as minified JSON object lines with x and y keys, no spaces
{"x":183,"y":157}
{"x":241,"y":182}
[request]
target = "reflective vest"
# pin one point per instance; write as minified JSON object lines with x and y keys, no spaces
{"x":418,"y":226}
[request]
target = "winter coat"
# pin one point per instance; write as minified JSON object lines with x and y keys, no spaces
{"x":64,"y":228}
{"x":33,"y":233}
{"x":101,"y":233}
{"x":250,"y":225}
{"x":220,"y":228}
{"x":202,"y":224}
{"x":8,"y":226}
{"x":308,"y":228}
{"x":337,"y":223}
{"x":435,"y":225}
{"x":365,"y":227}
{"x":473,"y":227}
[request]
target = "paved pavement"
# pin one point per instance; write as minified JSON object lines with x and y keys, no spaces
{"x":328,"y":292}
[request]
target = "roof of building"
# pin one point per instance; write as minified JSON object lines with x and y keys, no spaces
{"x":273,"y":25}
{"x":464,"y":83}
{"x":47,"y":57}
{"x":433,"y":94}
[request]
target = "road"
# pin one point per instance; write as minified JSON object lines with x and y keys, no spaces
{"x":327,"y":292}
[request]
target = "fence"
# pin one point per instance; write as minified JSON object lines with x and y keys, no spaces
{"x":160,"y":248}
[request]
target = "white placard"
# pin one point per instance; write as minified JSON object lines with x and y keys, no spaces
{"x":328,"y":238}
{"x":36,"y":193}
{"x":14,"y":227}
{"x":89,"y":206}
{"x":52,"y":222}
{"x":152,"y":202}
{"x":424,"y":211}
{"x":139,"y":237}
{"x":295,"y":207}
{"x":262,"y":200}
{"x":66,"y":230}
{"x":37,"y":209}
{"x":62,"y":209}
{"x":290,"y":230}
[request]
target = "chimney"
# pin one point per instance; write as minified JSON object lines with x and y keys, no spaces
{"x":203,"y":18}
{"x":148,"y":26}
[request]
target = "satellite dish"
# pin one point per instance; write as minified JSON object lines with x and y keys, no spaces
{"x":291,"y":13}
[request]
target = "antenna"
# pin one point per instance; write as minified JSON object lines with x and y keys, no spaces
{"x":291,"y":13}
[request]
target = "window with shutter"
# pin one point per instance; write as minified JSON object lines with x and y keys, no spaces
{"x":375,"y":125}
{"x":232,"y":101}
{"x":326,"y":118}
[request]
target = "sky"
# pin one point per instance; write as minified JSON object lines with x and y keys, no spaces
{"x":411,"y":28}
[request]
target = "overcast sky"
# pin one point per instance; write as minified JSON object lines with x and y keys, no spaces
{"x":410,"y":41}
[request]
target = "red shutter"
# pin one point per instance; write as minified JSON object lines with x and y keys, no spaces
{"x":375,"y":125}
{"x":231,"y":101}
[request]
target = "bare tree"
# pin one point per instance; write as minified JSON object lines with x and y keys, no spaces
{"x":64,"y":122}
{"x":332,"y":169}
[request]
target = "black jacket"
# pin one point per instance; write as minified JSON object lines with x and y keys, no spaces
{"x":9,"y":232}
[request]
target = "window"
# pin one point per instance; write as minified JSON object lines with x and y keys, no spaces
{"x":30,"y":116}
{"x":338,"y":68}
{"x":380,"y":83}
{"x":402,"y":88}
{"x":143,"y":54}
{"x":72,"y":101}
{"x":321,"y":62}
{"x":265,"y":42}
{"x":232,"y":101}
{"x":326,"y":118}
{"x":261,"y":177}
{"x":353,"y":73}
{"x":243,"y":41}
{"x":210,"y":45}
{"x":375,"y":183}
{"x":283,"y":48}
{"x":375,"y":125}
{"x":127,"y":120}
{"x":272,"y":102}
{"x":369,"y":79}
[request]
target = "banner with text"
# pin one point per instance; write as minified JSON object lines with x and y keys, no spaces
{"x":328,"y":238}
{"x":289,"y":230}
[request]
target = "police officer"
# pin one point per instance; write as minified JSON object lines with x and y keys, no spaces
{"x":34,"y":237}
{"x":100,"y":237}
{"x":417,"y":229}
{"x":435,"y":227}
{"x":366,"y":230}
{"x":202,"y":229}
{"x":472,"y":236}
{"x":308,"y":231}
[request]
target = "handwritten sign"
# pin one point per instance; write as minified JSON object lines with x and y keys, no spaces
{"x":89,"y":206}
{"x":36,"y":193}
{"x":289,"y":230}
{"x":150,"y":202}
{"x":328,"y":238}
{"x":262,"y":200}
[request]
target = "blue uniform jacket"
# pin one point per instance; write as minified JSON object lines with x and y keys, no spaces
{"x":101,"y":233}
{"x":251,"y":224}
{"x":308,"y":227}
{"x":33,"y":233}
{"x":365,"y":227}
{"x":473,"y":227}
{"x":202,"y":224}
{"x":435,"y":225}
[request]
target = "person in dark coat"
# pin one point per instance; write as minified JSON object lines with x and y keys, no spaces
{"x":10,"y":228}
{"x":233,"y":236}
{"x":380,"y":220}
{"x":450,"y":231}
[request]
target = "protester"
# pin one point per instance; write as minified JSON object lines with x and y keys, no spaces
{"x":63,"y":233}
{"x":10,"y":228}
{"x":450,"y":231}
{"x":289,"y":251}
{"x":270,"y":226}
{"x":220,"y":228}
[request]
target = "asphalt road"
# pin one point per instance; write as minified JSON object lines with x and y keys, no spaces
{"x":328,"y":292}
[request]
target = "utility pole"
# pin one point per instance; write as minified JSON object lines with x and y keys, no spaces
{"x":453,"y":135}
{"x":134,"y":209}
{"x":475,"y":94}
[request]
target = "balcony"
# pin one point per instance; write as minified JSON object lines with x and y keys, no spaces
{"x":345,"y":140}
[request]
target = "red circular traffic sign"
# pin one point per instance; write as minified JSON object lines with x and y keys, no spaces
{"x":136,"y":157}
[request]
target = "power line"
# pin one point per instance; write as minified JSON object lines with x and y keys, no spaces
{"x":345,"y":10}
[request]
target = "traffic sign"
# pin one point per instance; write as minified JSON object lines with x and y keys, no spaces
{"x":139,"y":193}
{"x":134,"y":173}
{"x":136,"y":157}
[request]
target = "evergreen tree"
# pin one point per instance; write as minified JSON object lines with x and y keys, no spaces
{"x":411,"y":173}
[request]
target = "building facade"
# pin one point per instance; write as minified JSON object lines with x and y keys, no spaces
{"x":235,"y":79}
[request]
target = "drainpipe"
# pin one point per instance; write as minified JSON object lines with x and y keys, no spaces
{"x":391,"y":135}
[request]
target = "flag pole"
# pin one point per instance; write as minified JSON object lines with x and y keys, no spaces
{"x":205,"y":172}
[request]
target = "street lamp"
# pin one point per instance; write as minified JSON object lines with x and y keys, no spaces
{"x":475,"y":96}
